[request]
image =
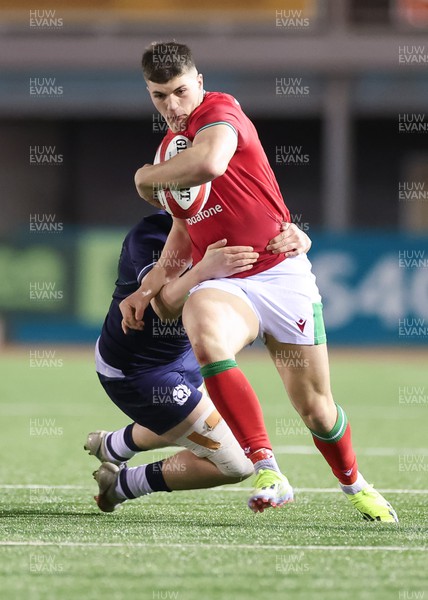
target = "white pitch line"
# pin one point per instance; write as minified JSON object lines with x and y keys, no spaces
{"x":306,"y":490}
{"x":210,"y":546}
{"x":38,"y":486}
{"x":309,"y":450}
{"x":320,"y":490}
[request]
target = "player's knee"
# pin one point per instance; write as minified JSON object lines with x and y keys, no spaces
{"x":208,"y":347}
{"x":317,"y":412}
{"x":230,"y":458}
{"x":207,"y":353}
{"x":208,"y":343}
{"x":235,"y":466}
{"x":210,"y":437}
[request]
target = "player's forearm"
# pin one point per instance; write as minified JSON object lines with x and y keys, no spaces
{"x":146,"y":192}
{"x":166,"y":306}
{"x":175,"y":258}
{"x":154,"y":281}
{"x":189,"y":168}
{"x":169,"y":303}
{"x":207,"y":159}
{"x":165,"y":271}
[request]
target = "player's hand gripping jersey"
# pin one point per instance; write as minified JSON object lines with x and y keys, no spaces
{"x":245,"y":205}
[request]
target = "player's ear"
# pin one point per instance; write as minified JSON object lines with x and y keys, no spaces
{"x":200,"y":80}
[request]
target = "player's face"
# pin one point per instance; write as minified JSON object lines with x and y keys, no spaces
{"x":178,"y":98}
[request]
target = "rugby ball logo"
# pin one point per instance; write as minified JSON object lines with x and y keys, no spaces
{"x":185,"y":202}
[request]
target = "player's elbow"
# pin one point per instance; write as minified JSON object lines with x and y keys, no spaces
{"x":139,"y":182}
{"x":213,"y":167}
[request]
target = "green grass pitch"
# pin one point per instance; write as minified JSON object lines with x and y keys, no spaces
{"x":55,"y":544}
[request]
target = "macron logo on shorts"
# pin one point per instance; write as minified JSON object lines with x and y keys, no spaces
{"x":301,"y":324}
{"x":180,"y":393}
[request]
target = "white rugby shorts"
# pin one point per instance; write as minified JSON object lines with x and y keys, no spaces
{"x":284,"y":298}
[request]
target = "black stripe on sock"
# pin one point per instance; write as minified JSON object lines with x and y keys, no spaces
{"x":112,"y":452}
{"x":127,"y":438}
{"x":124,"y":484}
{"x":155,"y":478}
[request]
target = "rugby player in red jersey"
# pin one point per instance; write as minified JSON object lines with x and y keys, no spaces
{"x":277,"y":299}
{"x":153,"y":377}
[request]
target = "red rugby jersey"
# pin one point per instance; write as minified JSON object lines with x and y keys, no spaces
{"x":245,"y":204}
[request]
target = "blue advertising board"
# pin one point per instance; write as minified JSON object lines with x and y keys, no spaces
{"x":374,"y":287}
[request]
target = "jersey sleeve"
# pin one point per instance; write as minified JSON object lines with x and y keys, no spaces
{"x":221,"y":111}
{"x":143,"y":250}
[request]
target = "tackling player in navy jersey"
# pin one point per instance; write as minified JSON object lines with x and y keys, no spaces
{"x":152,"y":375}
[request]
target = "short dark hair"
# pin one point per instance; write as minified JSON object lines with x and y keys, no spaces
{"x":163,"y":61}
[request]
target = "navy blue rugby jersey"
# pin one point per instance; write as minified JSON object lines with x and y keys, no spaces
{"x":159,"y":342}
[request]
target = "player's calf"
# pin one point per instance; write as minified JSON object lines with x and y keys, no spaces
{"x":208,"y":438}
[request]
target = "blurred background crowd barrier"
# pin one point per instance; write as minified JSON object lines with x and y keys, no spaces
{"x":337,"y":89}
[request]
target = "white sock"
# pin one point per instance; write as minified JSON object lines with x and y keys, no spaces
{"x":119,"y":491}
{"x":266,"y":463}
{"x":359,"y":484}
{"x":115,"y":446}
{"x":136,"y":481}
